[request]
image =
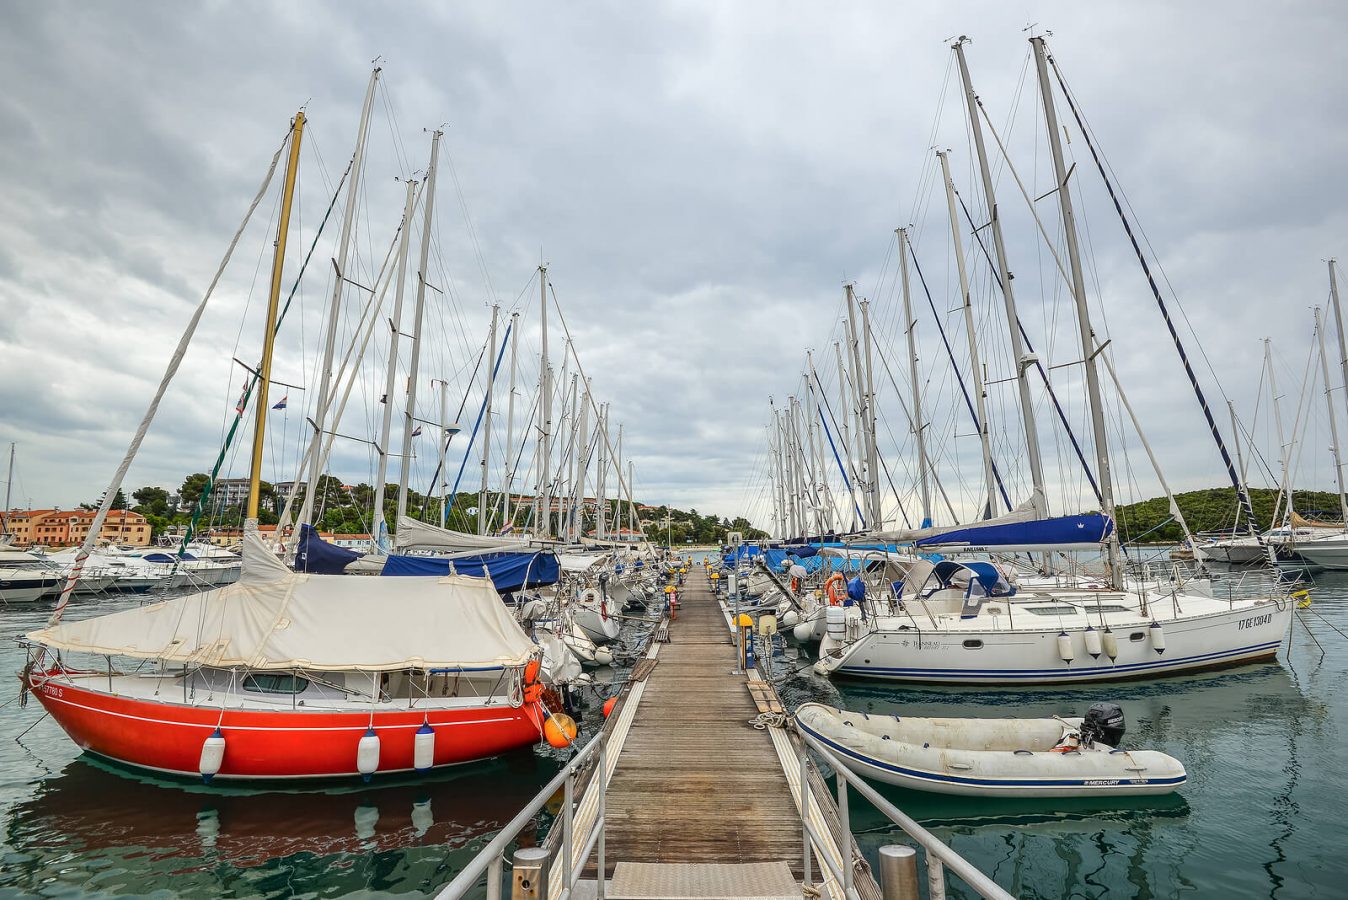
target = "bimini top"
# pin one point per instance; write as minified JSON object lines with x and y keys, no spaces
{"x":273,"y":618}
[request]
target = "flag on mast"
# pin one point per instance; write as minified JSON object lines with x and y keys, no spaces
{"x":417,"y":433}
{"x":281,"y":404}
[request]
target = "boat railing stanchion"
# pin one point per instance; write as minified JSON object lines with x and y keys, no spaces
{"x":845,"y":838}
{"x":568,"y":822}
{"x":805,"y":814}
{"x":601,"y":819}
{"x":935,"y":878}
{"x":494,"y":873}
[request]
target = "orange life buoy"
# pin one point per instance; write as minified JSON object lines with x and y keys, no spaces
{"x":533,"y":693}
{"x":531,"y":671}
{"x":836,"y":588}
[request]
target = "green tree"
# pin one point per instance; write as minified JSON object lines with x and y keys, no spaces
{"x":151,"y":501}
{"x":192,"y":488}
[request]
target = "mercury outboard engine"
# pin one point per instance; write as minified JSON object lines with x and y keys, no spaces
{"x":1103,"y":723}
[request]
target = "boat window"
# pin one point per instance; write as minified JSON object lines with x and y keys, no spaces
{"x":1138,"y":636}
{"x":275,"y":683}
{"x":973,"y":645}
{"x":1109,"y":607}
{"x":1056,"y":610}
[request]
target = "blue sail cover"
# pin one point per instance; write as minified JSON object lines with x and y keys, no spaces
{"x":318,"y":556}
{"x":1063,"y":532}
{"x":507,"y":571}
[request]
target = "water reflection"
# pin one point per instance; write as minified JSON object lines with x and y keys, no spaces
{"x":387,"y":830}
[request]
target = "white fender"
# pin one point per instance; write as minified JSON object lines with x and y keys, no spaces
{"x":1093,"y":645}
{"x":212,"y":756}
{"x":1157,"y":637}
{"x":367,"y":754}
{"x":423,"y":748}
{"x":1065,"y":646}
{"x":1110,"y":643}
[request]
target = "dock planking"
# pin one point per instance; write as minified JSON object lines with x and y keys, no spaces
{"x":695,"y":781}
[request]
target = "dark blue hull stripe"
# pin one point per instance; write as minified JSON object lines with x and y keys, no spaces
{"x":1172,"y":663}
{"x":990,"y":782}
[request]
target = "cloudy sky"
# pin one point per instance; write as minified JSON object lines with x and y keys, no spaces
{"x":700,"y":178}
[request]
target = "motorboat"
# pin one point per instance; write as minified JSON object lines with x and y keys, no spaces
{"x":1053,"y":757}
{"x":26,"y":577}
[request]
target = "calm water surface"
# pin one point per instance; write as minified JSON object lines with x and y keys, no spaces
{"x":1263,"y":814}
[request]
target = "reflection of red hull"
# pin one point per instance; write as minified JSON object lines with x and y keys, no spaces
{"x":168,"y":737}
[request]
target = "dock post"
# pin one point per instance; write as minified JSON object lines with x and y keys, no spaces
{"x":805,"y":812}
{"x":601,"y":818}
{"x":568,"y":824}
{"x":530,"y":873}
{"x":935,"y":878}
{"x":898,"y":873}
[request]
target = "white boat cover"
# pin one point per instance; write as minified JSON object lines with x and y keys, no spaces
{"x":1025,"y":512}
{"x":422,"y":535}
{"x":273,"y":618}
{"x":580,"y":562}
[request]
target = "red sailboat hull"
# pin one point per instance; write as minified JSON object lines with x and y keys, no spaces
{"x":270,"y":744}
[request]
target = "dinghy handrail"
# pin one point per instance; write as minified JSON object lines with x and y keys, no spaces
{"x":940,"y":856}
{"x":490,"y":860}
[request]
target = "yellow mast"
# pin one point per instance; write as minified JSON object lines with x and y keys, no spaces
{"x":273,"y":302}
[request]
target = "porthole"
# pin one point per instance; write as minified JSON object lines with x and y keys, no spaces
{"x":973,"y":644}
{"x":1138,"y":636}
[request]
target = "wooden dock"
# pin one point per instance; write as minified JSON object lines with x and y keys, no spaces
{"x":694,"y":786}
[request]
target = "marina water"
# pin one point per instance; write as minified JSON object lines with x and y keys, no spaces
{"x":1261,"y":815}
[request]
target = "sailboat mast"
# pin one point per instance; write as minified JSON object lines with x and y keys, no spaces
{"x":975,"y":364}
{"x":414,"y":365}
{"x":444,"y":451}
{"x":1283,"y":447}
{"x":872,"y":452}
{"x":378,"y":525}
{"x":910,"y":329}
{"x":1333,"y":419}
{"x":486,"y":423}
{"x":543,"y":496}
{"x":9,"y":488}
{"x":1022,"y":361}
{"x":509,"y":479}
{"x":1338,"y":322}
{"x":843,"y":423}
{"x":858,"y":405}
{"x":335,"y":306}
{"x":1088,"y":342}
{"x":269,"y":334}
{"x":601,"y":478}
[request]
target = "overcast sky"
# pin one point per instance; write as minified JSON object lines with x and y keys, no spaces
{"x":700,"y":178}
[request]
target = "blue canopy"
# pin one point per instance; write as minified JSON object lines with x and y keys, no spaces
{"x":507,"y":571}
{"x":1063,"y":532}
{"x":167,"y":558}
{"x":318,"y":556}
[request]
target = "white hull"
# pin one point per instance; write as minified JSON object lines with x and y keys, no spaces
{"x":985,"y":757}
{"x":597,"y":627}
{"x":1332,"y":554}
{"x":970,"y":655}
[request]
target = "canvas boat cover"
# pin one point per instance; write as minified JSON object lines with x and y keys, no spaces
{"x":507,"y":571}
{"x":1025,"y":512}
{"x":273,"y":618}
{"x":413,"y":534}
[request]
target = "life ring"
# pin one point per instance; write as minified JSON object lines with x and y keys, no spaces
{"x":836,"y":588}
{"x":531,"y":670}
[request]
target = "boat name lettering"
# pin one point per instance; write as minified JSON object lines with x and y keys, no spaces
{"x":52,"y":690}
{"x":1255,"y":621}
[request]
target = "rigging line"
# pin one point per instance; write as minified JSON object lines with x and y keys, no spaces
{"x":1038,"y":365}
{"x":463,"y":404}
{"x":1241,"y":492}
{"x":834,"y":447}
{"x":481,"y":411}
{"x":968,"y":402}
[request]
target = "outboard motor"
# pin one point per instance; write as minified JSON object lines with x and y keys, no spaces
{"x":1104,"y":723}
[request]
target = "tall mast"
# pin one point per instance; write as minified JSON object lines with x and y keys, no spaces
{"x":543,"y":496}
{"x":576,"y":510}
{"x":1338,"y":322}
{"x":910,"y":328}
{"x":817,"y":447}
{"x":872,"y":453}
{"x":444,"y":451}
{"x":269,"y":334}
{"x":335,"y":306}
{"x":486,"y":422}
{"x":1088,"y":342}
{"x":9,"y":488}
{"x":601,"y":478}
{"x":378,"y":525}
{"x":1022,"y":361}
{"x":1333,"y":419}
{"x":858,"y":404}
{"x":414,"y":366}
{"x":843,"y":423}
{"x":509,"y":485}
{"x":975,"y":364}
{"x":631,"y":504}
{"x":1283,"y":447}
